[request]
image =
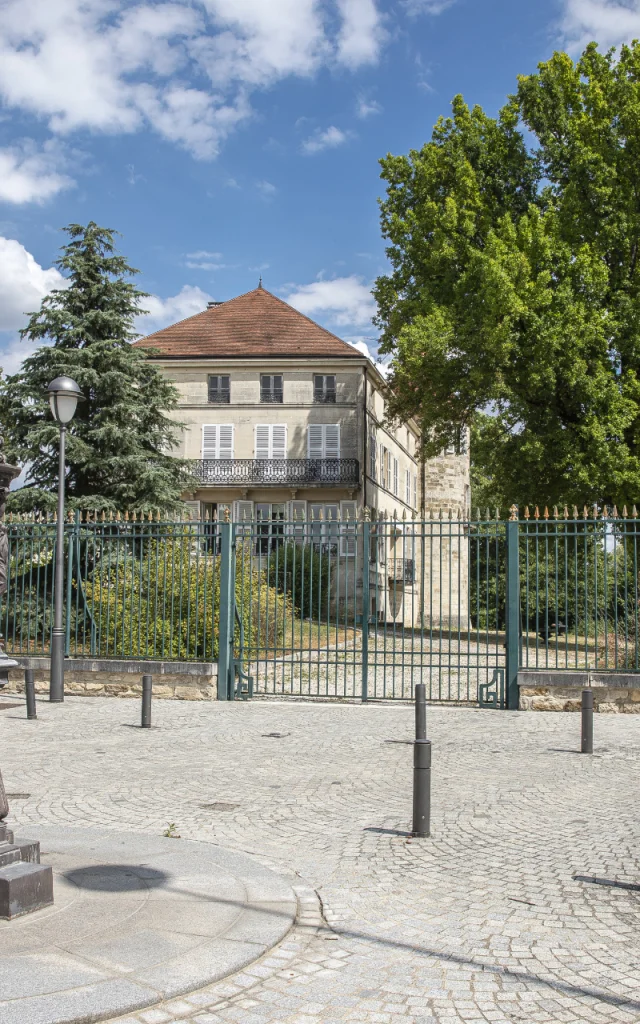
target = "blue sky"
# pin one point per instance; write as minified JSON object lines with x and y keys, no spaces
{"x":231,"y":138}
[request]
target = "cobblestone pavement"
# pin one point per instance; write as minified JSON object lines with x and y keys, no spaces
{"x":500,"y":916}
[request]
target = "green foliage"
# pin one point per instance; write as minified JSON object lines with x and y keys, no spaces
{"x":300,"y":571}
{"x":119,"y":437}
{"x":30,"y":499}
{"x":513,"y":304}
{"x":157,"y":599}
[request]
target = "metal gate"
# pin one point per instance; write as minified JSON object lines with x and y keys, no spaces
{"x":363,"y":609}
{"x":323,"y":607}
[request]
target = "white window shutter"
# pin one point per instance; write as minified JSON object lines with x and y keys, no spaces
{"x":415,"y":491}
{"x":263,"y":438}
{"x":225,"y":444}
{"x":315,"y":439}
{"x":191,"y":510}
{"x":210,"y":441}
{"x":407,"y":496}
{"x":373,"y":456}
{"x":395,"y":476}
{"x":278,"y":441}
{"x":242,"y":511}
{"x":331,"y":441}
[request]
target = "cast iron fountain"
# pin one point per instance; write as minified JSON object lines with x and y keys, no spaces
{"x":25,"y":883}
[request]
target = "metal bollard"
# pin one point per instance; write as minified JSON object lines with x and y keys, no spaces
{"x":587,"y":722}
{"x":147,"y":682}
{"x":30,"y":692}
{"x":421,"y":711}
{"x":421,"y":768}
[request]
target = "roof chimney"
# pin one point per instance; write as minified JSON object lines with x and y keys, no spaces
{"x":214,"y":302}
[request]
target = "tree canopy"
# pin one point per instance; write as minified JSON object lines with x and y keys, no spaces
{"x":513,"y":302}
{"x":119,"y":442}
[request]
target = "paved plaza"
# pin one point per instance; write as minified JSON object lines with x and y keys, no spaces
{"x":507,"y":914}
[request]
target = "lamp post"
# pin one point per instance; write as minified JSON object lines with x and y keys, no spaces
{"x":64,"y":395}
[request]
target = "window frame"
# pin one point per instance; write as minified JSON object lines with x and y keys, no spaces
{"x":272,"y":395}
{"x":220,"y":390}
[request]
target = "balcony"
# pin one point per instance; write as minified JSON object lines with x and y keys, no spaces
{"x":278,"y":472}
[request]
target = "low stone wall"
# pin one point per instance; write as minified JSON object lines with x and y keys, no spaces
{"x":106,"y":678}
{"x":613,"y":693}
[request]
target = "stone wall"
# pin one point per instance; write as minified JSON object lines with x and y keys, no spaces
{"x":613,"y":693}
{"x":106,"y":678}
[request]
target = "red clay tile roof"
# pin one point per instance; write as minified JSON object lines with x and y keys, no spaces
{"x":254,"y":324}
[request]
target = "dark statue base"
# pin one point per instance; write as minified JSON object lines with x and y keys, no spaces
{"x":25,"y":883}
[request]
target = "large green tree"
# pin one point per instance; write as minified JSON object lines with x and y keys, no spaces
{"x":119,"y":441}
{"x":513,"y":303}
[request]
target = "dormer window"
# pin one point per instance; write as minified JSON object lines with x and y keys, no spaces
{"x":324,"y":387}
{"x":219,"y":390}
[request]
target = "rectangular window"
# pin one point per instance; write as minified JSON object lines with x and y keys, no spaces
{"x":323,"y":440}
{"x":271,"y":441}
{"x":415,"y":490}
{"x":348,"y":527}
{"x":324,"y":387}
{"x":297,"y":527}
{"x":373,"y":457}
{"x":271,"y":387}
{"x":217,"y":441}
{"x":396,"y":475}
{"x":389,"y":480}
{"x":243,"y":517}
{"x":270,"y":526}
{"x":324,"y":526}
{"x":219,"y":390}
{"x":407,"y":496}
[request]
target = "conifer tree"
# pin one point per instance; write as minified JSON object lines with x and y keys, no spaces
{"x":119,"y":441}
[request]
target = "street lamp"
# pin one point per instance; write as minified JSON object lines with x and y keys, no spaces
{"x":64,"y":395}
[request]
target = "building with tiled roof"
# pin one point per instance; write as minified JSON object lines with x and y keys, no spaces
{"x":284,"y":421}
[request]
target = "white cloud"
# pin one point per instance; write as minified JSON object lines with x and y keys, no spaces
{"x":610,"y":22}
{"x":28,"y":175}
{"x":345,"y":301}
{"x":415,"y":7}
{"x":23,"y":284}
{"x":361,"y":35}
{"x":162,"y":312}
{"x":266,"y":188}
{"x":185,"y":69}
{"x":327,"y":139}
{"x":367,"y":107}
{"x":204,"y":254}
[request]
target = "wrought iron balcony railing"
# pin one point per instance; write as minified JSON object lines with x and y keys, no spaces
{"x":401,"y":570}
{"x":291,"y":472}
{"x":324,"y":397}
{"x":273,"y":397}
{"x":220,"y":396}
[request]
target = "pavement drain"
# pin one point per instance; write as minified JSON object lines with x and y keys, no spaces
{"x":219,"y":805}
{"x":18,"y":796}
{"x":275,"y":735}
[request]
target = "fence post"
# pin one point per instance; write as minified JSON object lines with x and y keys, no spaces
{"x":512,"y":615}
{"x":226,"y":616}
{"x":366,"y":601}
{"x":71,"y":534}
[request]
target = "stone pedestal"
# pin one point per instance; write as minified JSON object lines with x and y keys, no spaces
{"x":25,"y":883}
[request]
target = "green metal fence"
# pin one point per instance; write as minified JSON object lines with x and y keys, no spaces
{"x":360,"y":609}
